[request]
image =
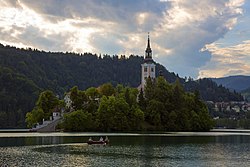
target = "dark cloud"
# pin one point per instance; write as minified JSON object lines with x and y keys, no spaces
{"x":108,"y":10}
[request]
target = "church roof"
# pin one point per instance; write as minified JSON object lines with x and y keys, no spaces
{"x":148,"y":52}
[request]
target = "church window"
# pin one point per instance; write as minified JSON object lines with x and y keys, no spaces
{"x":152,"y":69}
{"x":145,"y":69}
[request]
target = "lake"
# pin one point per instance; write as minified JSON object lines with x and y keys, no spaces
{"x":223,"y":148}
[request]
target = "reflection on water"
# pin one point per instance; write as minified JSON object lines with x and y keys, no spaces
{"x":229,"y":150}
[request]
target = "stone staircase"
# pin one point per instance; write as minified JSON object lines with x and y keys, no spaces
{"x":47,"y":126}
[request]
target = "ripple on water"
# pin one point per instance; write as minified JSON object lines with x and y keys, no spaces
{"x":126,"y":155}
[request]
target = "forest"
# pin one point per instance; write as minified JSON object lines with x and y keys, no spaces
{"x":25,"y":73}
{"x":160,"y":107}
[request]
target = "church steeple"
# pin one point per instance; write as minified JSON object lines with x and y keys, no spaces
{"x":148,"y":51}
{"x":148,"y":66}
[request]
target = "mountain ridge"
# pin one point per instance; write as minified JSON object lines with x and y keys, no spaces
{"x":236,"y":82}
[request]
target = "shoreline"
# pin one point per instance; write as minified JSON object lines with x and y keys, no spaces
{"x":212,"y":132}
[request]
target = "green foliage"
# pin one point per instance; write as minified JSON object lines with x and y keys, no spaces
{"x":112,"y":113}
{"x":47,"y":102}
{"x":3,"y":118}
{"x":210,"y":91}
{"x":141,"y":100}
{"x":117,"y":112}
{"x":79,"y":120}
{"x":170,"y":108}
{"x":92,"y":93}
{"x":165,"y":107}
{"x":107,"y":89}
{"x":78,"y":97}
{"x":34,"y":117}
{"x":45,"y":105}
{"x":136,"y":118}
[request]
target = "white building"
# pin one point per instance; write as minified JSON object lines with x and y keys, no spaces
{"x":67,"y":100}
{"x":148,"y":66}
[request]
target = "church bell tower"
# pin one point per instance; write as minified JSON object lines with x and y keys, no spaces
{"x":148,"y":66}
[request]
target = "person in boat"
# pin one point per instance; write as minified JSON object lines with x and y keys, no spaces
{"x":106,"y":139}
{"x":90,"y":139}
{"x":101,"y":139}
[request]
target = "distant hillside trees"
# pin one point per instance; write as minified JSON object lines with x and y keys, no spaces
{"x":209,"y":91}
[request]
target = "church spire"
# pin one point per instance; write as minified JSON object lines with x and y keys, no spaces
{"x":148,"y":66}
{"x":148,"y":52}
{"x":148,"y":42}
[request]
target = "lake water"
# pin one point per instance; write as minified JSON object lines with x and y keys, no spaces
{"x":126,"y":149}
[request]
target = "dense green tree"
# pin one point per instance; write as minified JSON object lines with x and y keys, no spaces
{"x":149,"y":89}
{"x":121,"y":114}
{"x":45,"y":105}
{"x":79,"y":120}
{"x":47,"y":102}
{"x":107,"y":89}
{"x":135,"y":118}
{"x":3,"y":119}
{"x":153,"y":112}
{"x":172,"y":125}
{"x":106,"y":112}
{"x":141,"y":100}
{"x":35,"y":116}
{"x":92,"y":93}
{"x":79,"y":98}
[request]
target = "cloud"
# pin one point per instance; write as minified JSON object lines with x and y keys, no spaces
{"x":188,"y":26}
{"x":179,"y":29}
{"x":87,"y":21}
{"x":122,"y":12}
{"x":226,"y":61}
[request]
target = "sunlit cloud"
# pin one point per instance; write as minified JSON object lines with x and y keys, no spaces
{"x":226,"y":61}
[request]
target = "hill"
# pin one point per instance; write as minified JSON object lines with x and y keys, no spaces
{"x":237,"y":83}
{"x":24,"y":73}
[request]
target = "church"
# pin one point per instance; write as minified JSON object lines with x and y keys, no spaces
{"x":148,"y":66}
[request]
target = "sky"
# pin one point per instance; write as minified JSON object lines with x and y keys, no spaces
{"x":197,"y":38}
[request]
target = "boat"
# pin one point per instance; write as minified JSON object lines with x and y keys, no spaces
{"x":98,"y":142}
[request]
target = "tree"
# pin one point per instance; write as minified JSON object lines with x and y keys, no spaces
{"x":141,"y":100}
{"x":153,"y":112}
{"x":47,"y":102}
{"x":34,"y":117}
{"x":3,"y":119}
{"x":105,"y":113}
{"x":135,"y":118}
{"x":178,"y":93}
{"x":92,"y":93}
{"x":78,"y":97}
{"x":149,"y":89}
{"x":121,"y":114}
{"x":79,"y":120}
{"x":107,"y":89}
{"x":172,"y":126}
{"x":163,"y":90}
{"x":113,"y":113}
